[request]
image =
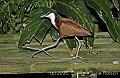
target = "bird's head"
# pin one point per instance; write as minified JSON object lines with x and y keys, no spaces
{"x":51,"y":16}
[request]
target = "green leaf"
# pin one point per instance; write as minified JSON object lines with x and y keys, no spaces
{"x":105,"y":14}
{"x":54,"y":33}
{"x":14,"y":7}
{"x":119,"y":23}
{"x":18,"y":21}
{"x":36,"y":27}
{"x":18,"y":27}
{"x":42,"y":30}
{"x":29,"y":32}
{"x":0,"y":24}
{"x":77,"y":11}
{"x":70,"y":44}
{"x":5,"y":28}
{"x":116,"y":4}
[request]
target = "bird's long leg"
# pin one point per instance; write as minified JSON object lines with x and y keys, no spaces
{"x":79,"y":46}
{"x":42,"y":51}
{"x":48,"y":54}
{"x":51,"y":46}
{"x":46,"y":48}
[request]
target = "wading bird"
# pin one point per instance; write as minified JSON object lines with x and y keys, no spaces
{"x":66,"y":27}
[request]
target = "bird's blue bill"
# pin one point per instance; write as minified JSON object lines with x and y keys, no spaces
{"x":45,"y":15}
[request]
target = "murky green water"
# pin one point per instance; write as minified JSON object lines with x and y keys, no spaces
{"x":15,"y":60}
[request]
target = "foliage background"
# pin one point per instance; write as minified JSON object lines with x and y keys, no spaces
{"x":23,"y":16}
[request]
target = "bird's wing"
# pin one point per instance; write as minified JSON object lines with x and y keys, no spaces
{"x":68,"y":27}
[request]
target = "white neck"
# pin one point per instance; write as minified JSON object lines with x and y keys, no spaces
{"x":52,"y":18}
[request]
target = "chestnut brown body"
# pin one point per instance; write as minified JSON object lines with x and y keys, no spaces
{"x":68,"y":27}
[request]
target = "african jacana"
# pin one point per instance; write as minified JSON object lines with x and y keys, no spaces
{"x":66,"y":27}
